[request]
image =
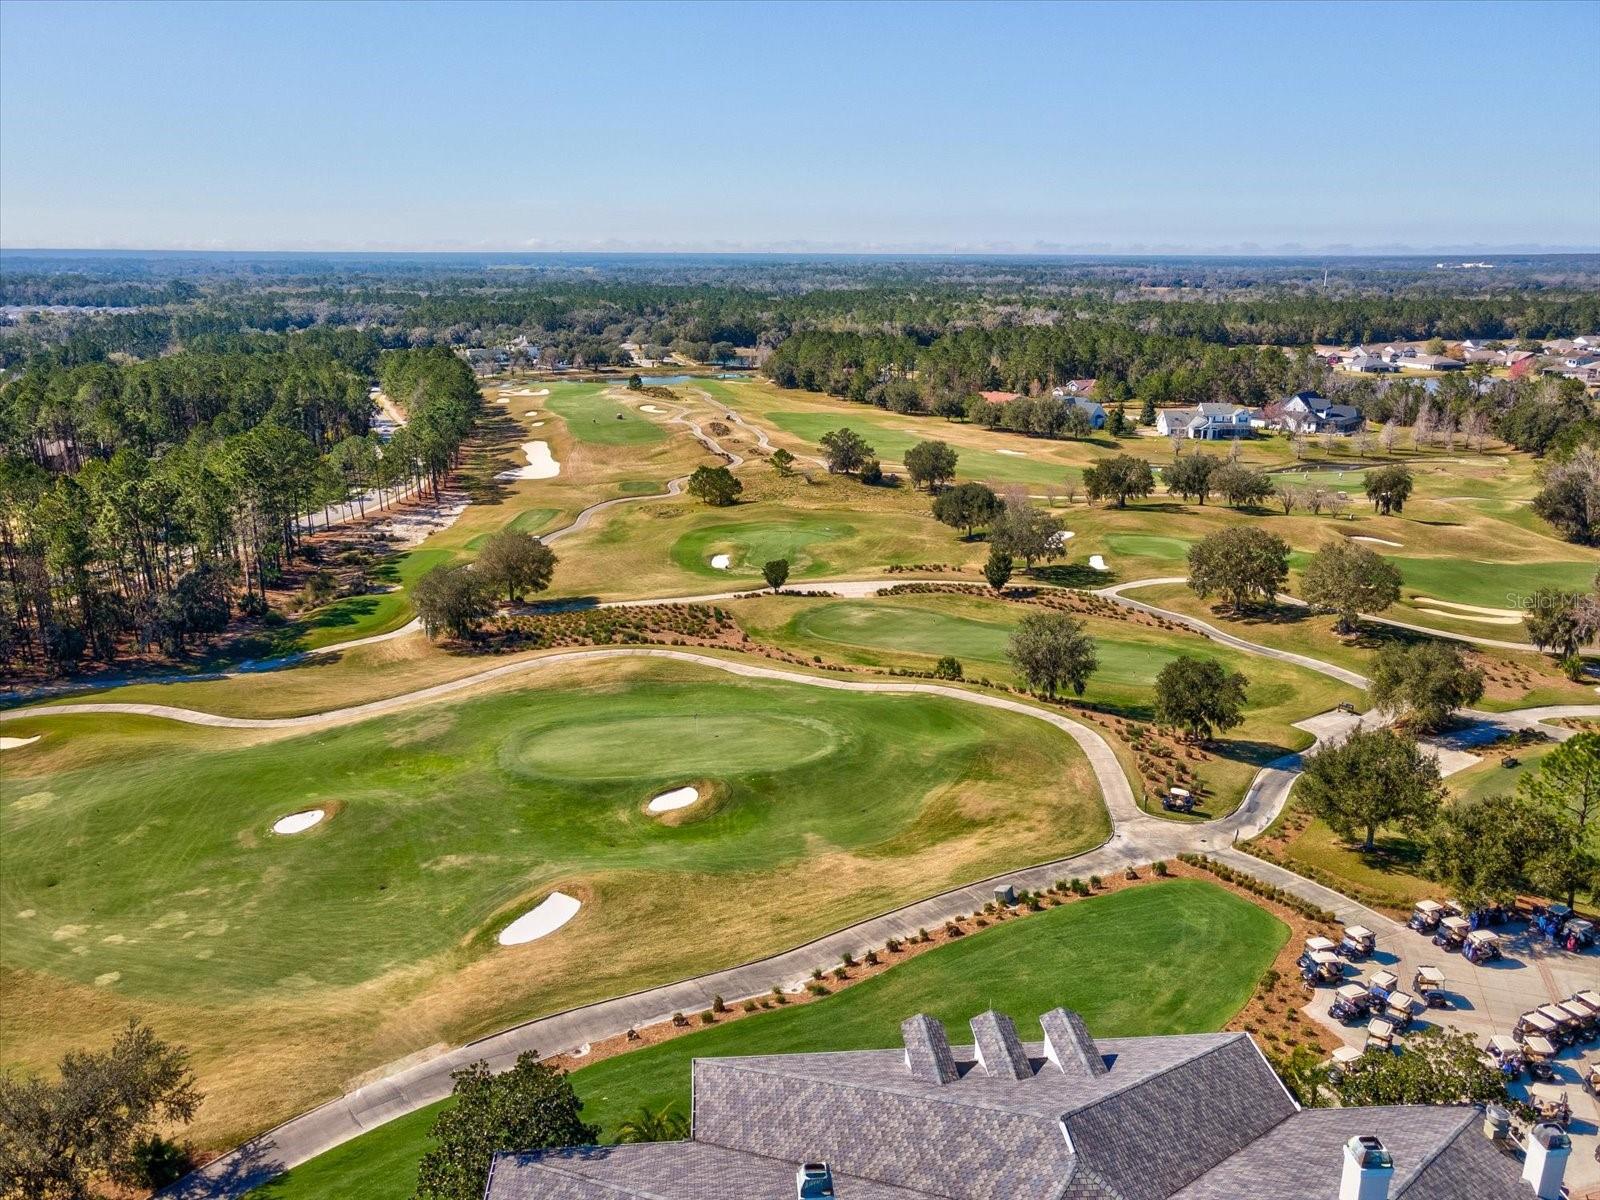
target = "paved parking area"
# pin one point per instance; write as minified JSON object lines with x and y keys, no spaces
{"x":1487,"y":999}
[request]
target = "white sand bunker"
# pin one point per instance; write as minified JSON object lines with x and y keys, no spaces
{"x":1513,"y":613}
{"x":1356,"y":537}
{"x":1014,"y":453}
{"x":17,"y":743}
{"x":1098,"y":563}
{"x":541,"y":465}
{"x":721,"y":562}
{"x":536,"y":425}
{"x":298,"y":822}
{"x":1475,"y":618}
{"x":651,"y":408}
{"x":503,"y":400}
{"x":675,"y":799}
{"x":554,"y":911}
{"x":540,"y":392}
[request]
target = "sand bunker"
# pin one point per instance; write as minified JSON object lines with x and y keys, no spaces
{"x":17,"y":743}
{"x":721,"y":562}
{"x":1458,"y":616}
{"x":536,"y":425}
{"x":298,"y":822}
{"x":554,"y":911}
{"x":1513,"y":613}
{"x":651,"y":408}
{"x":503,"y":400}
{"x":540,"y":392}
{"x":1014,"y":453}
{"x":540,"y":463}
{"x":1356,"y":537}
{"x":1098,"y":563}
{"x":675,"y":799}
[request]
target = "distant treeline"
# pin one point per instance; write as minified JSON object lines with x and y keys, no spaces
{"x":146,"y":502}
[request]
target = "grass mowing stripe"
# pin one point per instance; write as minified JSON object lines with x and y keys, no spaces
{"x":1129,"y":962}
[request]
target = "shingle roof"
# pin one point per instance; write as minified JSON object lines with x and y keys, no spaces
{"x":1439,"y":1154}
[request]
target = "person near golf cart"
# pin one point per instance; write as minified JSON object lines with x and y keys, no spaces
{"x":1358,"y":942}
{"x":1178,"y":799}
{"x":1350,"y":1002}
{"x":1481,"y":946}
{"x":1549,"y":921}
{"x":1428,"y":984}
{"x":1505,"y":1055}
{"x":1555,"y":1110}
{"x":1425,"y":915}
{"x":1452,"y":933}
{"x":1578,"y":935}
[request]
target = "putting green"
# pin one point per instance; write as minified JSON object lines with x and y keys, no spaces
{"x":592,"y":416}
{"x":141,"y":873}
{"x":754,"y":543}
{"x":1495,"y":585}
{"x":1149,"y":545}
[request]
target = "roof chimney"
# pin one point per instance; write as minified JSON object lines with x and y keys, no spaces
{"x":1368,"y":1168}
{"x":1000,"y":1051}
{"x":1546,"y":1161}
{"x":1067,"y":1043}
{"x":928,"y":1050}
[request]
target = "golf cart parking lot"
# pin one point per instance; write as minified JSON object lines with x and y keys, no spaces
{"x":1523,"y":996}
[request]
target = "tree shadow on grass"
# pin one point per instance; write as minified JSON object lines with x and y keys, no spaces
{"x":1244,"y":750}
{"x":341,"y":614}
{"x":1073,"y":575}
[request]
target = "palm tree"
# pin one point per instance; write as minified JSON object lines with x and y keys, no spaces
{"x":665,"y":1125}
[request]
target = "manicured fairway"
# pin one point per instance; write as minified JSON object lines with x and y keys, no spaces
{"x":802,"y":539}
{"x":140,"y":866}
{"x":1494,"y":584}
{"x":1129,"y":963}
{"x":592,"y":416}
{"x":1149,"y":545}
{"x":362,"y":616}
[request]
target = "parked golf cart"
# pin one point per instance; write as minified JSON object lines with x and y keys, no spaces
{"x":1401,"y":1008}
{"x":1535,"y":1022}
{"x":1358,"y":941}
{"x":1350,"y":1002}
{"x":1569,"y":1026}
{"x":1581,"y":1018}
{"x":1380,"y":1035}
{"x":1590,"y":1002}
{"x":1504,"y":1055}
{"x":1452,"y":933}
{"x":1343,"y":1060}
{"x":1381,"y":984}
{"x":1178,"y":800}
{"x":1481,"y":946}
{"x":1319,"y":963}
{"x":1550,"y":920}
{"x":1591,"y":1078}
{"x":1425,"y":915}
{"x":1538,"y":1055}
{"x":1552,"y":1109}
{"x":1578,"y":935}
{"x":1428,"y":984}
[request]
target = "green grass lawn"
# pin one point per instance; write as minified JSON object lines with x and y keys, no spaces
{"x":1491,"y":584}
{"x":362,"y":616}
{"x":449,"y":820}
{"x":1128,"y":962}
{"x":592,"y":416}
{"x":1150,"y":546}
{"x":1492,"y":777}
{"x":802,"y":539}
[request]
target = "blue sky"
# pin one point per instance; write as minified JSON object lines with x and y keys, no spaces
{"x":1085,"y":127}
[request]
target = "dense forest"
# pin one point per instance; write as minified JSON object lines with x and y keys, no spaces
{"x":145,"y":502}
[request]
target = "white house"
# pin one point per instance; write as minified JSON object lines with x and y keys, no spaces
{"x":1207,"y":422}
{"x":1430,"y":362}
{"x":1312,"y":412}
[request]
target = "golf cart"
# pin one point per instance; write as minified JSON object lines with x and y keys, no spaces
{"x":1550,"y":920}
{"x":1538,"y":1055}
{"x":1569,"y":1027}
{"x":1359,"y":941}
{"x":1425,"y":915}
{"x":1345,"y":706}
{"x":1178,"y":800}
{"x":1505,"y":1055}
{"x":1590,"y":1003}
{"x":1533,"y":1021}
{"x":1578,"y":935}
{"x":1428,"y":983}
{"x":1553,"y":1109}
{"x":1319,"y":963}
{"x":1591,"y":1078}
{"x":1380,"y":1035}
{"x":1343,"y":1059}
{"x":1481,"y":946}
{"x":1581,"y":1017}
{"x":1452,"y":933}
{"x":1349,"y":1002}
{"x":1400,"y":1008}
{"x":1381,"y":984}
